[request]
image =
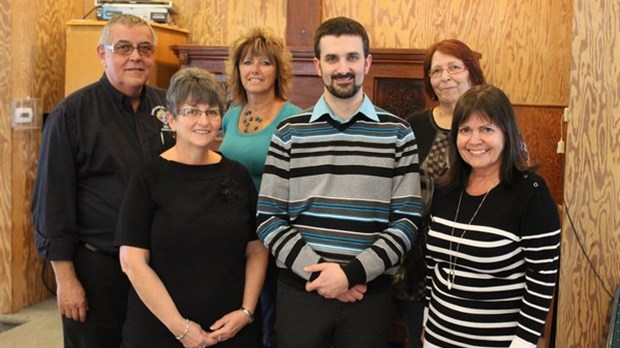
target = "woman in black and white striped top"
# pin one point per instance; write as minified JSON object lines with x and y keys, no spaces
{"x":493,"y":245}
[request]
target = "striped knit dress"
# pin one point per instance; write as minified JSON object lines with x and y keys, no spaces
{"x":341,"y":192}
{"x":505,"y":265}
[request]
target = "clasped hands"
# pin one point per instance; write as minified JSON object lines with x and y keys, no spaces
{"x":223,"y":329}
{"x":332,"y":283}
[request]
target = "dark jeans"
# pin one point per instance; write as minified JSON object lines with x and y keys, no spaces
{"x":412,"y":313}
{"x":106,"y":288}
{"x":307,"y":320}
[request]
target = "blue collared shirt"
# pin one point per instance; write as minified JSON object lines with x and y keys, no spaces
{"x":321,"y":108}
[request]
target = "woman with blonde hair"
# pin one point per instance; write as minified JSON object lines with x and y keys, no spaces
{"x":259,"y":76}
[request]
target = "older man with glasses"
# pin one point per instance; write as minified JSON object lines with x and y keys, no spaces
{"x":92,"y":142}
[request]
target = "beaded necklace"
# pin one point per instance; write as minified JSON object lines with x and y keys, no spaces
{"x":250,"y":122}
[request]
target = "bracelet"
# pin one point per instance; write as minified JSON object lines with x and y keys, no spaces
{"x":248,"y":313}
{"x":181,"y":336}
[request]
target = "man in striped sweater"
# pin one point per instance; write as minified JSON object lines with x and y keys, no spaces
{"x":339,"y":203}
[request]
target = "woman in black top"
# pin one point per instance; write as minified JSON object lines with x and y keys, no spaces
{"x":187,"y":233}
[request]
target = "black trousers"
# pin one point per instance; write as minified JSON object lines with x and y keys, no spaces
{"x":307,"y":320}
{"x":412,"y":313}
{"x":106,"y":288}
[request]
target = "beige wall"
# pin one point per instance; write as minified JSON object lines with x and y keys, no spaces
{"x":592,"y":191}
{"x":528,"y":49}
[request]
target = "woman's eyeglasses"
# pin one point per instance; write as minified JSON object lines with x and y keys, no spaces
{"x":196,"y":113}
{"x":451,"y":69}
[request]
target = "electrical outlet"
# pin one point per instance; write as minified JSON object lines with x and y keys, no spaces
{"x":23,"y":115}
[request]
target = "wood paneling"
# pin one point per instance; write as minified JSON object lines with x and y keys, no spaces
{"x":219,"y":22}
{"x":592,"y":177}
{"x":26,"y":265}
{"x":525,"y":45}
{"x":540,"y":128}
{"x":302,"y":19}
{"x":6,"y":60}
{"x":32,"y":64}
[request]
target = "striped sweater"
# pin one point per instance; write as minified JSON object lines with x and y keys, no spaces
{"x":505,"y":262}
{"x":340,"y":192}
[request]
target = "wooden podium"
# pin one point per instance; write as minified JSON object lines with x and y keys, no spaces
{"x":82,"y":66}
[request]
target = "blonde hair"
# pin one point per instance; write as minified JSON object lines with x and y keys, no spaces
{"x":259,"y":41}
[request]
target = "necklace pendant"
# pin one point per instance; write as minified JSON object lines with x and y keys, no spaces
{"x":451,"y":278}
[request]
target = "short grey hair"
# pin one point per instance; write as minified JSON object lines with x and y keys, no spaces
{"x":194,"y":86}
{"x":123,"y":19}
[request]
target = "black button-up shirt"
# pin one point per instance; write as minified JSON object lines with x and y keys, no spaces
{"x":92,"y":142}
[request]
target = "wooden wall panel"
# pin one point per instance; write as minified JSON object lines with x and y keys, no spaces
{"x":219,"y":22}
{"x":26,"y":265}
{"x":524,"y":44}
{"x":32,"y":61}
{"x":592,"y":177}
{"x":6,"y":60}
{"x":540,"y":128}
{"x":207,"y":20}
{"x":23,"y":70}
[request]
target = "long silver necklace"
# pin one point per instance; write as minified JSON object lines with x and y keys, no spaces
{"x":453,"y":257}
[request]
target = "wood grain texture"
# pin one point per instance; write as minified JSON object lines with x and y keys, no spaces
{"x":592,"y":177}
{"x":32,"y":53}
{"x":219,"y":22}
{"x":540,"y":128}
{"x":6,"y":60}
{"x":26,"y":264}
{"x":525,"y":45}
{"x":302,"y":19}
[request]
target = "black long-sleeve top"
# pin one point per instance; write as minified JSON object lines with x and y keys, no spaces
{"x":92,"y":142}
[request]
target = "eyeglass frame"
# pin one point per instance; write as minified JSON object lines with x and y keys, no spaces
{"x":112,"y":48}
{"x":216,"y":113}
{"x":452,"y":69}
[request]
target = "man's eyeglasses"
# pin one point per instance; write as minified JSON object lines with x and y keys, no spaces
{"x":451,"y":69}
{"x":124,"y":48}
{"x":196,"y":113}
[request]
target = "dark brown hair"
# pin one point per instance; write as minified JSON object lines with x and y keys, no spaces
{"x":492,"y":104}
{"x":339,"y":26}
